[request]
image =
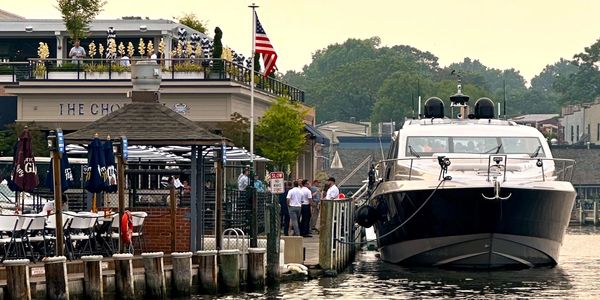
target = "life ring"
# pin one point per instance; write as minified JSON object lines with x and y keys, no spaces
{"x":126,"y":227}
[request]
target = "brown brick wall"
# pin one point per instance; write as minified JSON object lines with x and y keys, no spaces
{"x":157,"y":229}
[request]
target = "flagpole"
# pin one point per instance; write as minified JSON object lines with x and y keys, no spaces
{"x":253,"y":6}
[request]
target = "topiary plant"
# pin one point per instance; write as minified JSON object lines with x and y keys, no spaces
{"x":218,"y":51}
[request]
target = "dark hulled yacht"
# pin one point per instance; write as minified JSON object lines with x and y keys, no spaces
{"x":475,"y":192}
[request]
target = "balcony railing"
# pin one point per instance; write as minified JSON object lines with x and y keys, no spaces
{"x":118,"y":69}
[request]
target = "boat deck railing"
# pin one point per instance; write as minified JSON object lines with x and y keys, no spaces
{"x":492,"y":166}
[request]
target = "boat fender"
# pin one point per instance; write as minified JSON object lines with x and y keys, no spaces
{"x":366,"y":216}
{"x":126,"y":227}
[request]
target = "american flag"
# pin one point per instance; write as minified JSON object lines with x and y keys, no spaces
{"x":264,"y":47}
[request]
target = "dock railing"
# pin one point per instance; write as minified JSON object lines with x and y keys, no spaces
{"x":339,"y":237}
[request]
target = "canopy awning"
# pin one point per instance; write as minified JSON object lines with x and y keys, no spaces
{"x":316,"y":135}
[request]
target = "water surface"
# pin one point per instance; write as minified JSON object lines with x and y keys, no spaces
{"x":576,"y":276}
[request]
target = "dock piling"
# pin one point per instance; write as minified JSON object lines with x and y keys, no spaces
{"x":207,"y":271}
{"x":93,"y":285}
{"x":256,"y":267}
{"x":57,"y":283}
{"x":229,"y":275}
{"x":182,"y":273}
{"x":17,"y":282}
{"x":124,"y":275}
{"x":154,"y":275}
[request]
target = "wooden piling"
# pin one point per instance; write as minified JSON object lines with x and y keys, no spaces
{"x":17,"y":283}
{"x":207,"y":271}
{"x":581,"y":214}
{"x":273,"y":243}
{"x":93,"y":284}
{"x":182,"y":273}
{"x":57,"y":283}
{"x":124,"y":276}
{"x":154,"y":274}
{"x":229,"y":275}
{"x":256,"y":267}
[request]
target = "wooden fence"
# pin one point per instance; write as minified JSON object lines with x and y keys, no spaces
{"x":339,"y":237}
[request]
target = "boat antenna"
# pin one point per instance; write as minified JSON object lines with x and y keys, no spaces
{"x":459,"y":99}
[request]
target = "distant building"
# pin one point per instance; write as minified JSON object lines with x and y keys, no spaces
{"x":546,"y":123}
{"x":335,"y":129}
{"x":580,"y":123}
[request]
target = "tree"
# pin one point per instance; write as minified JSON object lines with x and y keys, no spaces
{"x":237,"y":130}
{"x":280,"y":133}
{"x":8,"y":138}
{"x":218,"y":50}
{"x":191,"y":20}
{"x":78,"y":14}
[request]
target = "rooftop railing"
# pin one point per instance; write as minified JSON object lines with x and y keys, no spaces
{"x":184,"y":69}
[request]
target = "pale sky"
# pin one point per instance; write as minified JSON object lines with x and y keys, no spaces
{"x":524,"y":34}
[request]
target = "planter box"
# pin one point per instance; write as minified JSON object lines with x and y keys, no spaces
{"x":96,"y":75}
{"x":121,"y":75}
{"x":7,"y":78}
{"x":64,"y":75}
{"x":185,"y":75}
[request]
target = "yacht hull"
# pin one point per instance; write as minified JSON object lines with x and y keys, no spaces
{"x":460,"y":228}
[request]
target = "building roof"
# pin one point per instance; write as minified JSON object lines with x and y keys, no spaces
{"x":121,"y":26}
{"x":4,"y":15}
{"x":147,"y":123}
{"x":532,"y":118}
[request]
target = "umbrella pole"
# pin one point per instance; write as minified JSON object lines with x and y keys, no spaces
{"x":94,"y":209}
{"x":22,"y":202}
{"x":17,"y":202}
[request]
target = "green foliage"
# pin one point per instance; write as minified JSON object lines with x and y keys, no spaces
{"x":280,"y":133}
{"x":78,"y":14}
{"x":237,"y":130}
{"x":192,"y":21}
{"x":106,"y":68}
{"x":187,"y":67}
{"x":8,"y":138}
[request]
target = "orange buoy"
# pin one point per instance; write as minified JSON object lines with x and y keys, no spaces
{"x":126,"y":227}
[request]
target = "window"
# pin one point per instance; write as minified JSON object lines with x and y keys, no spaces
{"x":426,"y":146}
{"x":577,"y":136}
{"x":572,"y":137}
{"x":598,"y":133}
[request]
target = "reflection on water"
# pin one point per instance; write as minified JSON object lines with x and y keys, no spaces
{"x":577,"y":276}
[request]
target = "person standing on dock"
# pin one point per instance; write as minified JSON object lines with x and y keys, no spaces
{"x":285,"y":213}
{"x":306,"y":200}
{"x":294,"y":198}
{"x":314,"y":206}
{"x":332,"y":192}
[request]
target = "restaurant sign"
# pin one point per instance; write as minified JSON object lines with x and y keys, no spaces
{"x":86,"y":109}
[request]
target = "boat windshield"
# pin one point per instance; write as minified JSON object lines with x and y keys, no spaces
{"x":427,"y":145}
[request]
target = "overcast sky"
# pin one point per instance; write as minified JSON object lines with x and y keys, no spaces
{"x":524,"y":34}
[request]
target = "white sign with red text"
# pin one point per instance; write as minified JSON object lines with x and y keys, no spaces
{"x":277,"y":183}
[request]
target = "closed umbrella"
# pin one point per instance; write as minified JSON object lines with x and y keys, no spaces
{"x":24,"y":173}
{"x":96,"y":170}
{"x":66,"y":174}
{"x":111,"y":174}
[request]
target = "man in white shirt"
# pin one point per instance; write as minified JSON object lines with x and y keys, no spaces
{"x":77,"y":52}
{"x":332,"y":192}
{"x":305,"y":211}
{"x":243,"y":180}
{"x":294,"y":199}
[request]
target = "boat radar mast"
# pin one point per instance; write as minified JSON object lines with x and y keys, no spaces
{"x":460,"y":100}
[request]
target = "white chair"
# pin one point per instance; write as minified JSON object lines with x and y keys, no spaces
{"x":138,"y":218}
{"x":81,"y":231}
{"x":51,"y":228}
{"x":34,"y":236}
{"x":8,"y":226}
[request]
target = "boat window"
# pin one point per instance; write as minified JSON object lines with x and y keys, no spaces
{"x":522,"y":145}
{"x":478,"y":145}
{"x":422,"y":145}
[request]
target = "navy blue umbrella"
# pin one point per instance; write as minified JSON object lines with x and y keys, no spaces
{"x":66,"y":174}
{"x":111,"y":174}
{"x":96,"y":169}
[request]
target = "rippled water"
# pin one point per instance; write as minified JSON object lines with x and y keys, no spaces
{"x":576,"y":276}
